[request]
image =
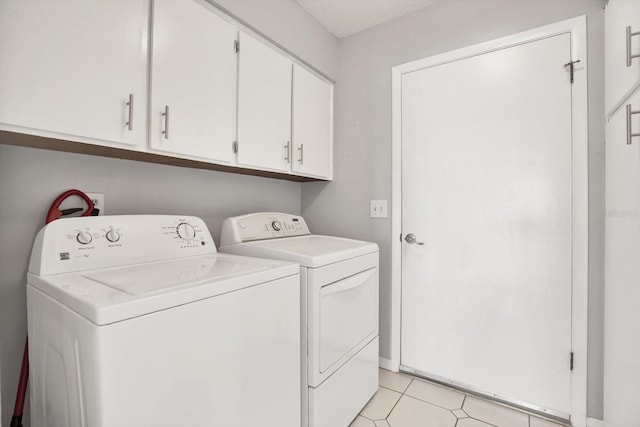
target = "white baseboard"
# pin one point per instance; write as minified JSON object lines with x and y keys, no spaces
{"x":385,"y":363}
{"x":593,"y":422}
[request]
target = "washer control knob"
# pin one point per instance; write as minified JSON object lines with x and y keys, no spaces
{"x":84,"y":238}
{"x":277,"y":225}
{"x":185,"y":231}
{"x":112,"y":236}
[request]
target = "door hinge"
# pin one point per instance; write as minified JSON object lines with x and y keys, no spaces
{"x":236,"y":46}
{"x":571,"y":66}
{"x":234,"y":147}
{"x":571,"y":362}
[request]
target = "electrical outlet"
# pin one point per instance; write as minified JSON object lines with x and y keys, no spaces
{"x":98,"y":201}
{"x":378,"y":209}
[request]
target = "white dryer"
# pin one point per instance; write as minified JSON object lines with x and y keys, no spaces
{"x":339,"y":310}
{"x":138,"y":321}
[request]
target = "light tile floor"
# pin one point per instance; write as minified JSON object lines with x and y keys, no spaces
{"x":406,"y":401}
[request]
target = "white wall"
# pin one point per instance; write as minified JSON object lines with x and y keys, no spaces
{"x":362,"y":167}
{"x":287,"y":24}
{"x":30,"y":179}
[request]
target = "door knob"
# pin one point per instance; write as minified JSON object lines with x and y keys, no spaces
{"x":411,"y":239}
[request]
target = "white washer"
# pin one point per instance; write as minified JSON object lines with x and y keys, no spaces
{"x":137,"y":321}
{"x":339,"y":310}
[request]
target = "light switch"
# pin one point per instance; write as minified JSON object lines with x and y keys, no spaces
{"x":378,"y":209}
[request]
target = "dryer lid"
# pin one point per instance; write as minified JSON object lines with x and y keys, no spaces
{"x":115,"y":294}
{"x":309,"y":251}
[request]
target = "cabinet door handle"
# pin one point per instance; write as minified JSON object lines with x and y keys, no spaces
{"x":130,"y":105}
{"x":630,"y":56}
{"x":630,"y":133}
{"x":287,"y":149}
{"x":301,"y":149}
{"x":165,"y":132}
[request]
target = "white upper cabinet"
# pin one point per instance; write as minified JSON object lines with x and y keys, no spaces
{"x":193,"y":81}
{"x":69,"y":69}
{"x":622,"y":71}
{"x":161,"y":76}
{"x":264,"y":107}
{"x":312,"y":124}
{"x":622,"y":293}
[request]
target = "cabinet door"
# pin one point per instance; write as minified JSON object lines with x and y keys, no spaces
{"x":193,"y":81}
{"x":622,"y":275}
{"x":312,"y":124}
{"x":69,"y":67}
{"x":619,"y":15}
{"x":264,"y":106}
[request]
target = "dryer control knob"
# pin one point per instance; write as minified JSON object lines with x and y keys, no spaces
{"x":84,"y":238}
{"x":112,"y":236}
{"x":277,"y":225}
{"x":185,"y":231}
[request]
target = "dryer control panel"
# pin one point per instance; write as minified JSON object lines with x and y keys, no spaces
{"x":262,"y":226}
{"x":77,"y":244}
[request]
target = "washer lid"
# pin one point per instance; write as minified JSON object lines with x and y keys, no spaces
{"x":111,"y":295}
{"x":309,"y":251}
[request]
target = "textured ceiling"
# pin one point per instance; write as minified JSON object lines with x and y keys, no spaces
{"x":346,"y":17}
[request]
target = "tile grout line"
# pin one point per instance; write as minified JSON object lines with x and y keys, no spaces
{"x":465,"y":395}
{"x":398,"y":401}
{"x":451,"y":410}
{"x":464,"y":398}
{"x":435,"y":404}
{"x":430,"y":403}
{"x":390,"y":389}
{"x":469,"y":416}
{"x":513,"y":408}
{"x":484,"y":422}
{"x":408,"y":385}
{"x":391,"y":410}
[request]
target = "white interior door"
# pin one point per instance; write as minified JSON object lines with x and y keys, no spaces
{"x":487,"y":187}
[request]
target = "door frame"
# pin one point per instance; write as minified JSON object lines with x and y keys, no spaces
{"x":577,"y":29}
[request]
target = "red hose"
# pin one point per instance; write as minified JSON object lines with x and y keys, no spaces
{"x":16,"y":420}
{"x":54,"y":211}
{"x":53,"y":214}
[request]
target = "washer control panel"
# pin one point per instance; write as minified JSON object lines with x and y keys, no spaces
{"x":77,"y":244}
{"x":262,"y":226}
